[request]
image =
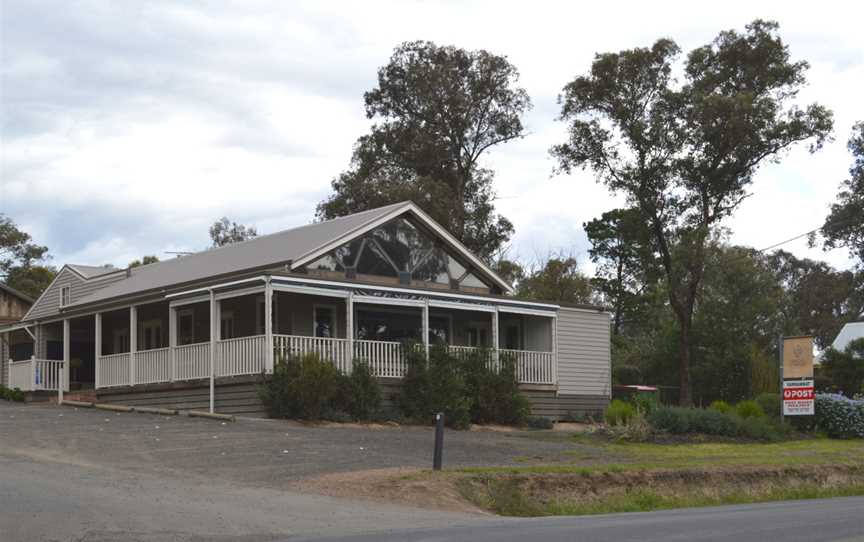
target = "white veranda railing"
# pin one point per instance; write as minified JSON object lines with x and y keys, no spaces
{"x":37,"y":374}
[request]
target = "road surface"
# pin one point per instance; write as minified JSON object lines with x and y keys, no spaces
{"x":835,"y":520}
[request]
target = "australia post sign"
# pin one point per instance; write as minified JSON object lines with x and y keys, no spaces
{"x":798,"y":398}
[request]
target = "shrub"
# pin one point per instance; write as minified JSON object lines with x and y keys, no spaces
{"x":619,"y":412}
{"x":12,"y":394}
{"x":435,"y":386}
{"x":359,"y":394}
{"x":770,"y":403}
{"x":636,"y":428}
{"x":761,"y":428}
{"x":495,"y":395}
{"x":720,"y":406}
{"x":839,"y":416}
{"x":539,"y":422}
{"x":749,"y":409}
{"x":678,"y":420}
{"x":301,"y":387}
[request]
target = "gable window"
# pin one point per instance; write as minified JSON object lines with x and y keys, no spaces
{"x":65,"y":295}
{"x":400,"y":250}
{"x":324,"y":320}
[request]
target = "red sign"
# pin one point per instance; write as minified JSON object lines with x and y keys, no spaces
{"x":798,"y":397}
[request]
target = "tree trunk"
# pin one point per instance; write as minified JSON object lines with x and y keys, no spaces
{"x":684,"y":397}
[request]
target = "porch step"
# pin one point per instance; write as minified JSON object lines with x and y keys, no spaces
{"x":88,"y":396}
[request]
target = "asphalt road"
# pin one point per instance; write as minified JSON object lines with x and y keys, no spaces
{"x":835,"y":520}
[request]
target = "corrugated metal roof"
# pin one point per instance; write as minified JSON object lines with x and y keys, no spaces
{"x":267,"y":250}
{"x":90,"y":271}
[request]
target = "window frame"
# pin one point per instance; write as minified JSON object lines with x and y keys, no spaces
{"x":154,"y":325}
{"x":65,"y":295}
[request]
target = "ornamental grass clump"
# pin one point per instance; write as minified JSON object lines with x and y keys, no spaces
{"x":749,"y":409}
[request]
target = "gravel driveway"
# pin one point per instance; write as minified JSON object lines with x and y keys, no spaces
{"x":85,"y":474}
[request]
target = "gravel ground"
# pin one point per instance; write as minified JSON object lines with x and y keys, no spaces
{"x":268,"y":453}
{"x":84,"y":474}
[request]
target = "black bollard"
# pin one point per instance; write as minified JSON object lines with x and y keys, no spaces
{"x":439,"y":441}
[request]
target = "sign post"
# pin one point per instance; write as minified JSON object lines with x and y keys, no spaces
{"x":797,"y":376}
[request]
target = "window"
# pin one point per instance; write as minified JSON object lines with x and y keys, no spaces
{"x":440,"y":329}
{"x":226,"y":325}
{"x":324,"y":320}
{"x":389,"y":324}
{"x":400,"y":250}
{"x":152,"y":334}
{"x":185,"y":326}
{"x":65,"y":295}
{"x":513,"y":336}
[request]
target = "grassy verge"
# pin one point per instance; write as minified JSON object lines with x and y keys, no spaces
{"x":647,"y":476}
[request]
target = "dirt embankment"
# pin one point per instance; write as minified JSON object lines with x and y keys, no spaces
{"x":531,"y":494}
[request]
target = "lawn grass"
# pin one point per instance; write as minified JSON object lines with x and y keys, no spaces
{"x":609,"y":456}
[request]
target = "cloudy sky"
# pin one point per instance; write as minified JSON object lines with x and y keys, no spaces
{"x":128,"y":127}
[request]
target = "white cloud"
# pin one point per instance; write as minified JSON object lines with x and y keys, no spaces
{"x":128,"y":127}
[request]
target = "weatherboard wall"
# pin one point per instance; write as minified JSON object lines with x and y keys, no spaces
{"x":584,"y":356}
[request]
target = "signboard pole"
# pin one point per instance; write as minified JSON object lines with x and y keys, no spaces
{"x":780,"y":358}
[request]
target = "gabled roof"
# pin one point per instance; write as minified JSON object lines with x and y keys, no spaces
{"x":16,"y":293}
{"x":850,"y":332}
{"x":294,"y":247}
{"x":90,"y":271}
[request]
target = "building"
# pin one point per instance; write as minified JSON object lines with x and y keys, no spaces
{"x":356,"y":287}
{"x":13,"y":306}
{"x":849,"y":333}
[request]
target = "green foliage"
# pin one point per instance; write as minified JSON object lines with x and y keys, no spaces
{"x":435,"y":386}
{"x":558,"y":280}
{"x":626,"y":375}
{"x":225,"y":232}
{"x":764,"y":371}
{"x":749,"y":409}
{"x":770,"y":403}
{"x":146,"y":260}
{"x":844,"y":226}
{"x":720,"y":406}
{"x":11,"y":394}
{"x":685,"y":154}
{"x":619,"y":412}
{"x":678,"y":421}
{"x":359,"y":393}
{"x":495,"y":395}
{"x":31,"y":280}
{"x":845,"y":370}
{"x":301,"y":387}
{"x":464,"y":387}
{"x":437,"y":110}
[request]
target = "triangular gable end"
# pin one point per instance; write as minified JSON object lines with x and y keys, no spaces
{"x":405,"y":245}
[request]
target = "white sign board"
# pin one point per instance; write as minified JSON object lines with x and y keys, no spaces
{"x":798,"y":397}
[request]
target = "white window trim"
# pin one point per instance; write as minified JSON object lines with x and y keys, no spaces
{"x":66,"y":295}
{"x":335,"y":328}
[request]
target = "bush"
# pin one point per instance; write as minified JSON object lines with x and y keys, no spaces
{"x":619,"y":412}
{"x":495,"y":395}
{"x":761,"y":428}
{"x":749,"y":409}
{"x":720,"y":406}
{"x":12,"y":394}
{"x":770,"y":404}
{"x":636,"y":428}
{"x":539,"y":422}
{"x":359,"y":393}
{"x":839,"y":416}
{"x":678,"y":421}
{"x":435,"y":386}
{"x":300,"y":387}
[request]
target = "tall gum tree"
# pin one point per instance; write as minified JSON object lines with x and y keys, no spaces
{"x":437,"y":110}
{"x":684,"y":154}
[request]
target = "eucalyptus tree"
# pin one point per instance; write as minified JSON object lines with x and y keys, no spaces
{"x":684,"y":152}
{"x":437,"y":109}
